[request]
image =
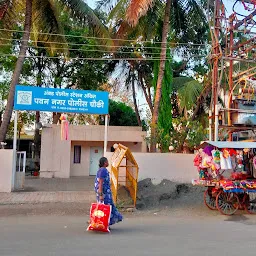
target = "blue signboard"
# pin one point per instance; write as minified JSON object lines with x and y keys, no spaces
{"x":60,"y":100}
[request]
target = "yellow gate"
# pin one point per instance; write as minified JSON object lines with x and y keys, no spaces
{"x":124,"y":170}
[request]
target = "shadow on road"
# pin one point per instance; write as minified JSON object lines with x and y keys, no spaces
{"x":246,"y":220}
{"x":118,"y":231}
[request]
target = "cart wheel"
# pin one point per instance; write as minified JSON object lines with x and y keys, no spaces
{"x":209,"y":200}
{"x":227,"y":203}
{"x":250,"y":203}
{"x":243,"y":201}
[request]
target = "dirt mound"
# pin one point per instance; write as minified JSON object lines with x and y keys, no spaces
{"x":123,"y":197}
{"x":167,"y":194}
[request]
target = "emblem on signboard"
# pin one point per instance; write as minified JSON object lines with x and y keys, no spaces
{"x":24,"y":97}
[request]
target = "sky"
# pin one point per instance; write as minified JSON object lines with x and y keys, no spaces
{"x":229,"y":5}
{"x":91,"y":3}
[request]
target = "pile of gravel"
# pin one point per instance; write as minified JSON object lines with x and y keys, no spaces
{"x":168,"y":194}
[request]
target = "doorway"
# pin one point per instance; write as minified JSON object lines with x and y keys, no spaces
{"x":95,"y":154}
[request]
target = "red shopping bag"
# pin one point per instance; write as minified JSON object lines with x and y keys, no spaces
{"x":99,"y":217}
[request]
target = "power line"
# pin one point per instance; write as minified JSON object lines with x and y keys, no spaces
{"x":85,"y":50}
{"x":101,"y":58}
{"x":94,"y":45}
{"x":93,"y":50}
{"x":108,"y":58}
{"x":97,"y":38}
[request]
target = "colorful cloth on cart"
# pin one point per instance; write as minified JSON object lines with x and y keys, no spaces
{"x":107,"y":194}
{"x":225,"y":162}
{"x":238,"y":185}
{"x":199,"y":182}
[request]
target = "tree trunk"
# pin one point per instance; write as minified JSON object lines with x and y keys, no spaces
{"x":17,"y":71}
{"x":37,"y":139}
{"x":135,"y":102}
{"x":55,"y":117}
{"x":3,"y":9}
{"x":147,"y":96}
{"x":158,"y":93}
{"x":150,"y":96}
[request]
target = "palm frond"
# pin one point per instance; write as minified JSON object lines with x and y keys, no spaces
{"x":179,"y":82}
{"x":107,"y":4}
{"x":188,"y":92}
{"x":10,"y":11}
{"x":148,"y":24}
{"x":12,"y":18}
{"x":46,"y":26}
{"x":118,"y":12}
{"x":146,"y":28}
{"x":137,"y":9}
{"x":82,"y":12}
{"x":4,"y":4}
{"x":122,"y":32}
{"x":188,"y":21}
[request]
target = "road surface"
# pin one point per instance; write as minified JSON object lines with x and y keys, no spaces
{"x":137,"y":235}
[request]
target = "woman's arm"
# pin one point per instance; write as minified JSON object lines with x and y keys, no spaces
{"x":100,"y":190}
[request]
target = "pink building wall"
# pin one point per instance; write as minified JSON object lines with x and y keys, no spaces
{"x":57,"y":155}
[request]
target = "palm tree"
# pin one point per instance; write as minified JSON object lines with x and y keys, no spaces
{"x":184,"y":17}
{"x":17,"y":70}
{"x":192,"y":100}
{"x":42,"y":14}
{"x":158,"y":93}
{"x":138,"y":8}
{"x":186,"y":90}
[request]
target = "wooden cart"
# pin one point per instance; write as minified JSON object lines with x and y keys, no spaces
{"x":228,"y":196}
{"x":229,"y":201}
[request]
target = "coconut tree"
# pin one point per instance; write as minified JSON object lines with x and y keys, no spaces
{"x":138,"y":8}
{"x":191,"y":100}
{"x":18,"y":67}
{"x":185,"y":18}
{"x":41,"y":18}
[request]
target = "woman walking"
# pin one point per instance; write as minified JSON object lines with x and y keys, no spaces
{"x":103,"y":190}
